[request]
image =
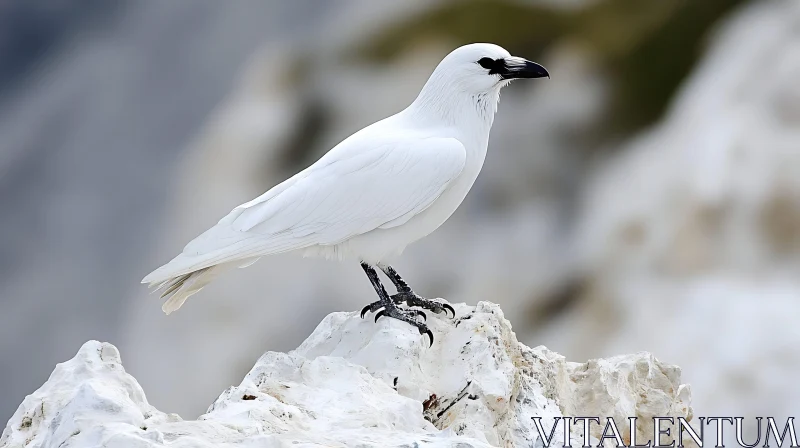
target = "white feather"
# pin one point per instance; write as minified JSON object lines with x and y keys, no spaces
{"x":249,"y":262}
{"x":329,"y":203}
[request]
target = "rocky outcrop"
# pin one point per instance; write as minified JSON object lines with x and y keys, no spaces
{"x":357,"y":383}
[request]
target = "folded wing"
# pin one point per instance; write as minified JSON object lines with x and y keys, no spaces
{"x":348,"y":192}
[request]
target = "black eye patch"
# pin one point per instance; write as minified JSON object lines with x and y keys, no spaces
{"x":495,"y":66}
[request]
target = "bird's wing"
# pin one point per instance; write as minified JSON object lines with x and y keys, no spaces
{"x":348,"y":192}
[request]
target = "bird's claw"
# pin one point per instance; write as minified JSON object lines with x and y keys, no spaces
{"x":364,"y":310}
{"x":447,"y":307}
{"x":416,"y":313}
{"x":407,"y":316}
{"x":412,"y":299}
{"x":429,"y":333}
{"x":372,"y":307}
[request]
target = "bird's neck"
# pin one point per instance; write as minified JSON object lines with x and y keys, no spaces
{"x":442,"y":104}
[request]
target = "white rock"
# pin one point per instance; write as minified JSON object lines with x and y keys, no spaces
{"x":357,"y":383}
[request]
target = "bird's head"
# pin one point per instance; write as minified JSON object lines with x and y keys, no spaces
{"x":480,"y":68}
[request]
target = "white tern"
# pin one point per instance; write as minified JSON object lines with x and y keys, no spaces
{"x":377,"y":191}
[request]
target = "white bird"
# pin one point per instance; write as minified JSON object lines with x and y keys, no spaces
{"x":374,"y":193}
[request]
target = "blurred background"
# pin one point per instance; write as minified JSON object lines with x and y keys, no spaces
{"x":647,"y":197}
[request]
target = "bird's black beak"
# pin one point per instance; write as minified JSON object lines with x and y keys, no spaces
{"x":518,"y":68}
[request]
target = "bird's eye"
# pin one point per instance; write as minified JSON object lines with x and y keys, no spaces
{"x":487,"y":63}
{"x":495,"y":66}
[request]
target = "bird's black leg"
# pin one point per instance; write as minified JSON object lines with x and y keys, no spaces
{"x":382,"y":294}
{"x":405,"y":294}
{"x":389,"y":307}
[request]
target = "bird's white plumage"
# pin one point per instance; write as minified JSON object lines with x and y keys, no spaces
{"x":330,"y":203}
{"x":380,"y":189}
{"x":366,"y":185}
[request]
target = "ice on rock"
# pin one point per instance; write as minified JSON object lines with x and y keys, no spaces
{"x":357,"y":383}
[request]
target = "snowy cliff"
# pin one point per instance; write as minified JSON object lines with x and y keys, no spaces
{"x":357,"y":383}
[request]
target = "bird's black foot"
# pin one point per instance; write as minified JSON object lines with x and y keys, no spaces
{"x":407,"y":316}
{"x":412,"y":299}
{"x":375,"y":306}
{"x":389,"y":304}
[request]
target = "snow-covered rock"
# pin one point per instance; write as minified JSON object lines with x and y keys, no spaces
{"x":357,"y":383}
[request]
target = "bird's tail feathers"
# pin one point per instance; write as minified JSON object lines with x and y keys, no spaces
{"x":190,"y":271}
{"x":177,"y":289}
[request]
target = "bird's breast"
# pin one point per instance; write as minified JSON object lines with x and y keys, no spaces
{"x":443,"y":207}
